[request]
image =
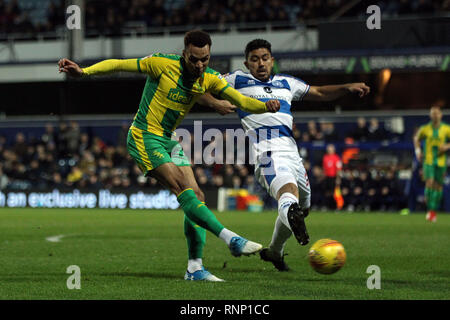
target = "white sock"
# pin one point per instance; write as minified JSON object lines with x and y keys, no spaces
{"x":280,"y":235}
{"x":284,"y":203}
{"x":194,"y":265}
{"x":226,"y":235}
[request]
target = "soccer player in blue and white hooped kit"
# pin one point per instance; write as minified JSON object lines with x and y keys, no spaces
{"x":278,"y":165}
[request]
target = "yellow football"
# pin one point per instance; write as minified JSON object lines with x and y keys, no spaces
{"x":327,"y":256}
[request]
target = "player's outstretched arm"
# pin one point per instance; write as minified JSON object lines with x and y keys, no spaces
{"x":103,"y":67}
{"x":222,"y":107}
{"x":69,"y":67}
{"x":248,"y":104}
{"x":333,"y":92}
{"x":417,"y":149}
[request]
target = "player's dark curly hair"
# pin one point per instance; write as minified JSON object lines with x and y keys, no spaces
{"x":197,"y":38}
{"x":257,"y":44}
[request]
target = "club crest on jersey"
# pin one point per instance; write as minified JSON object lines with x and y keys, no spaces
{"x":268,"y":89}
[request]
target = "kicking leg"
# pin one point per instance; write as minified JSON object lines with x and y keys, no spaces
{"x":171,"y":176}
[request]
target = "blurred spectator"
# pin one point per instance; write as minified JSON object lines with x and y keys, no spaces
{"x":72,"y":137}
{"x":84,"y":143}
{"x":361,"y":133}
{"x":375,"y":132}
{"x":331,"y":164}
{"x":61,"y":140}
{"x":218,"y":181}
{"x":237,"y":182}
{"x":88,"y":164}
{"x":317,"y":182}
{"x":3,"y":179}
{"x":74,"y":176}
{"x":93,"y":183}
{"x":20,"y":145}
{"x":329,"y":134}
{"x":48,"y":137}
{"x":312,"y":132}
{"x":122,"y":134}
{"x":296,"y":133}
{"x":57,"y":181}
{"x":228,"y":176}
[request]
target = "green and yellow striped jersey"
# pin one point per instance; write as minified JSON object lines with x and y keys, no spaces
{"x":170,"y":91}
{"x":433,"y":138}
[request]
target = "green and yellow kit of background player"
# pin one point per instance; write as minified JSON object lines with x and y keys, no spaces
{"x":434,"y":162}
{"x":169,"y":94}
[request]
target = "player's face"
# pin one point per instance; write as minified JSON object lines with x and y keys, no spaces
{"x":435,"y":115}
{"x":197,"y":59}
{"x":260,"y":63}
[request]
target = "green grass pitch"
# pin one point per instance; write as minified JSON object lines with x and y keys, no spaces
{"x":125,"y":254}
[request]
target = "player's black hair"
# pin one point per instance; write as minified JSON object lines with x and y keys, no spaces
{"x":197,"y":38}
{"x":257,"y":44}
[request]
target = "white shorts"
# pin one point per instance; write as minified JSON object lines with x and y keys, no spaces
{"x":273,"y":170}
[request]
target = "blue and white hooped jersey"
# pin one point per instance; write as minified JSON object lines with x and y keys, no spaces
{"x":270,"y":131}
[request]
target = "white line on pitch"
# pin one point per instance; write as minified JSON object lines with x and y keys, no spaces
{"x":55,"y":238}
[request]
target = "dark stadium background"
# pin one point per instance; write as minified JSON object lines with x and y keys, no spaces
{"x":410,"y":31}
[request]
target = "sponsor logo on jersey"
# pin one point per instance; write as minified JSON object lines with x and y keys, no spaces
{"x":179,"y":96}
{"x":268,"y":89}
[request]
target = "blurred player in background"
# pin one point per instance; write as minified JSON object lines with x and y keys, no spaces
{"x":173,"y":85}
{"x":435,"y":135}
{"x":278,"y":166}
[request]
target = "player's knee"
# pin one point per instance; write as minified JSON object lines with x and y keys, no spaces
{"x":178,"y":182}
{"x":289,"y":187}
{"x":437,"y":186}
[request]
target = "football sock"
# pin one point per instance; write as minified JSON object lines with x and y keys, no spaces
{"x":285,"y":200}
{"x":198,"y":212}
{"x":438,"y":199}
{"x":432,"y":205}
{"x":428,"y":200}
{"x":226,"y":235}
{"x":195,"y":237}
{"x":436,"y":196}
{"x":194,"y":265}
{"x":280,"y":235}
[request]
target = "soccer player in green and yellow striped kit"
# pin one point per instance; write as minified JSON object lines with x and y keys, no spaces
{"x":174,"y":83}
{"x":435,"y":135}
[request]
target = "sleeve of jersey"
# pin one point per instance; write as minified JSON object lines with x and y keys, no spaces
{"x":299,"y":89}
{"x":111,"y":66}
{"x":151,"y":65}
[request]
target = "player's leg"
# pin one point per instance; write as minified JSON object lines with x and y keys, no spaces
{"x":428,"y":174}
{"x":436,"y":193}
{"x":152,"y":155}
{"x":195,"y":235}
{"x":293,"y":206}
{"x":293,"y":197}
{"x":172,"y":177}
